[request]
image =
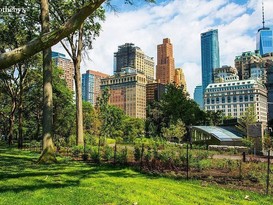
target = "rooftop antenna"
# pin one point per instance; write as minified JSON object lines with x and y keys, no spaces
{"x":263,"y":12}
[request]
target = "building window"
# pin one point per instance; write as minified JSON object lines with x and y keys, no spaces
{"x":234,"y":98}
{"x":228,"y":99}
{"x":241,"y":98}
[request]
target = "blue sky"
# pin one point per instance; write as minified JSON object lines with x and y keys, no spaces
{"x":182,"y":21}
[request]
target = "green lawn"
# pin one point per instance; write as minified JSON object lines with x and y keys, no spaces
{"x":24,"y":182}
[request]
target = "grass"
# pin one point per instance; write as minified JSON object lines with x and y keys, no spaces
{"x":68,"y":182}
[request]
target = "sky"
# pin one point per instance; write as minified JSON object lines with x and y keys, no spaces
{"x":146,"y":25}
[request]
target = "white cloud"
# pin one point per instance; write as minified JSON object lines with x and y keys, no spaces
{"x":182,"y":21}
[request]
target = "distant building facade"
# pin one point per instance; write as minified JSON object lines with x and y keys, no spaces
{"x":249,"y":63}
{"x":225,"y":73}
{"x":179,"y":78}
{"x":67,"y":66}
{"x":128,"y":92}
{"x":154,"y":92}
{"x":91,"y":81}
{"x":131,"y":56}
{"x":165,"y":68}
{"x":264,"y":41}
{"x":209,"y":56}
{"x":198,"y":96}
{"x":233,"y":98}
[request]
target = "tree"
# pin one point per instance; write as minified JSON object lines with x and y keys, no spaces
{"x":17,"y":30}
{"x":214,"y":118}
{"x":46,"y":40}
{"x":248,"y":118}
{"x":75,"y":44}
{"x":133,"y":128}
{"x":47,"y":155}
{"x":176,"y":131}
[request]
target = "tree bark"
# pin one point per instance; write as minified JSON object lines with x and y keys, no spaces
{"x":48,"y":154}
{"x":22,"y":75}
{"x":11,"y":121}
{"x":48,"y":39}
{"x":78,"y":86}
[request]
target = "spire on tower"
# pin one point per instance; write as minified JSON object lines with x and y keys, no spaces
{"x":263,"y":11}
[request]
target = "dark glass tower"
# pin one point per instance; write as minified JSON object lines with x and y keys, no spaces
{"x":209,"y":56}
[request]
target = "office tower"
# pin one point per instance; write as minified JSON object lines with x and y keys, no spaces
{"x":67,"y":66}
{"x":128,"y":92}
{"x":225,"y":73}
{"x":165,"y":69}
{"x":249,"y":63}
{"x":91,"y":81}
{"x":268,"y":61}
{"x":234,"y":97}
{"x":264,"y":38}
{"x":209,"y":56}
{"x":154,"y":92}
{"x":131,"y":56}
{"x":179,"y":78}
{"x":198,"y":96}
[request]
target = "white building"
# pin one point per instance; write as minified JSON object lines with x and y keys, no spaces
{"x":234,"y":97}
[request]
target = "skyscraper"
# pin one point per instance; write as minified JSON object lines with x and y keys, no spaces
{"x":165,"y":69}
{"x":264,"y":39}
{"x":91,"y":81}
{"x":179,"y":78}
{"x":66,"y":65}
{"x":131,"y":56}
{"x":198,"y":96}
{"x":128,"y":92}
{"x":209,"y":56}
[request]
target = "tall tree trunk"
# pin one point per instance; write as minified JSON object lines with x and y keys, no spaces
{"x":11,"y":121}
{"x":78,"y":86}
{"x":48,"y":155}
{"x":22,"y":75}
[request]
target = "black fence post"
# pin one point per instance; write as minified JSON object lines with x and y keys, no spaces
{"x":244,"y":156}
{"x":187,"y":161}
{"x":268,"y":172}
{"x":115,"y":154}
{"x":141,"y":156}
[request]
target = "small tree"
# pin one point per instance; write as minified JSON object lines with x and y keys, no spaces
{"x":176,"y":130}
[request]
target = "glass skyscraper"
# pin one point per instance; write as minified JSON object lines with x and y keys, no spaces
{"x":264,"y":40}
{"x":209,"y":56}
{"x":198,"y":96}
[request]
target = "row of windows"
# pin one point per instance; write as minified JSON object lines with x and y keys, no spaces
{"x":229,"y":88}
{"x":230,"y":99}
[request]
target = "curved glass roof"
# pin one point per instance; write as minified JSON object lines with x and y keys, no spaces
{"x":219,"y":133}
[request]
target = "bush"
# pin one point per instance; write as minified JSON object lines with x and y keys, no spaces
{"x":148,"y":155}
{"x":119,"y":140}
{"x":122,"y":156}
{"x":77,"y":150}
{"x":137,"y":153}
{"x":108,"y":153}
{"x":95,"y":155}
{"x":72,"y":141}
{"x":90,"y":139}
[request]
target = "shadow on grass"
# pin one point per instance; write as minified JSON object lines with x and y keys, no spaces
{"x":21,"y":169}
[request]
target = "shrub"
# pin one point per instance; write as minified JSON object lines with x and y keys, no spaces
{"x":72,"y":141}
{"x":90,"y":139}
{"x":137,"y":153}
{"x":122,"y":156}
{"x":108,"y":153}
{"x":148,"y":154}
{"x":119,"y":140}
{"x":76,"y":150}
{"x":95,"y":155}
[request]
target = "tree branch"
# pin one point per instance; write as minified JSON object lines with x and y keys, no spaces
{"x":48,"y":39}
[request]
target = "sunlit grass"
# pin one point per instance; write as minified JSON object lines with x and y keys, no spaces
{"x":24,"y":182}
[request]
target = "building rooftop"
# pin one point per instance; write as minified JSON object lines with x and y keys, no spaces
{"x":233,"y":83}
{"x":219,"y":133}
